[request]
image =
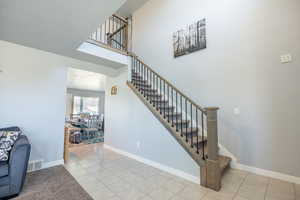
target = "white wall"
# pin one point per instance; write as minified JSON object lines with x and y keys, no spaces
{"x":33,"y":96}
{"x":240,"y":68}
{"x":128,"y":121}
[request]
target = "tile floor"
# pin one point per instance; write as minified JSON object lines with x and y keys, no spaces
{"x":106,"y":175}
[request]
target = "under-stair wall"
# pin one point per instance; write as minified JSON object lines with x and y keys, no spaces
{"x":130,"y":123}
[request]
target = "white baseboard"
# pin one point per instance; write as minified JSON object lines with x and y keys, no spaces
{"x":267,"y":173}
{"x":53,"y":164}
{"x":157,"y":165}
{"x":234,"y":164}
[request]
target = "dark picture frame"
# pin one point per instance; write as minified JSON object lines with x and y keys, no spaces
{"x":190,"y":39}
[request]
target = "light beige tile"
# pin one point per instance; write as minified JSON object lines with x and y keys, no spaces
{"x":252,"y":192}
{"x":211,"y":195}
{"x":120,"y":187}
{"x":107,"y":175}
{"x":174,"y":186}
{"x":113,"y":198}
{"x":161,"y":194}
{"x":257,"y":180}
{"x":146,"y":187}
{"x":146,"y":198}
{"x":239,"y":198}
{"x":159,"y":180}
{"x":281,"y":190}
{"x":297,"y":188}
{"x":98,"y":191}
{"x":131,"y":194}
{"x":109,"y":180}
{"x":193,"y":193}
{"x":101,"y":194}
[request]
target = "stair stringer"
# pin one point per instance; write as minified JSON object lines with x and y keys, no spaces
{"x":172,"y":130}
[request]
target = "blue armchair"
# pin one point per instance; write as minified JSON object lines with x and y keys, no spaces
{"x":13,"y":172}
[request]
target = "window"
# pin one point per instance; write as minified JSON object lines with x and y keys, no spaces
{"x":86,"y":105}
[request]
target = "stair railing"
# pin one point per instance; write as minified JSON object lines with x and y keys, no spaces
{"x":203,"y":121}
{"x":113,"y":33}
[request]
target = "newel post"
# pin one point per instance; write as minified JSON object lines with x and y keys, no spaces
{"x":211,"y":172}
{"x":212,"y":132}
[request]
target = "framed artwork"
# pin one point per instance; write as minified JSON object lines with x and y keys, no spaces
{"x":114,"y":90}
{"x":190,"y":39}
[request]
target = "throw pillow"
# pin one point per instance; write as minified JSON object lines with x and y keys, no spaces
{"x":7,"y":140}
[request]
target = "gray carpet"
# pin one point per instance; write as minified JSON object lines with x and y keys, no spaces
{"x":54,"y":183}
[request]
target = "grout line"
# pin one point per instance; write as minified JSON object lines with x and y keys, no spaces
{"x":295,"y":193}
{"x":237,"y":192}
{"x":267,"y":189}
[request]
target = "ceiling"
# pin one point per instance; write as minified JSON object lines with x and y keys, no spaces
{"x":85,"y":80}
{"x":60,"y":26}
{"x":55,"y":26}
{"x":130,"y":6}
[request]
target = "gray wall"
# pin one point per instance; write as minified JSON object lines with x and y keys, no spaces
{"x":129,"y":122}
{"x":85,"y":93}
{"x":240,"y":69}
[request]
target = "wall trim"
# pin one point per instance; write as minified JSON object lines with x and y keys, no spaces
{"x":264,"y":172}
{"x":53,"y":164}
{"x":157,"y":165}
{"x":268,"y":173}
{"x":234,"y":164}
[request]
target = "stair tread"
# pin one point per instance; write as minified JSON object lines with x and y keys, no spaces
{"x":160,"y":101}
{"x":181,"y":121}
{"x":165,"y":107}
{"x":224,"y":162}
{"x":172,"y":113}
{"x":189,"y":130}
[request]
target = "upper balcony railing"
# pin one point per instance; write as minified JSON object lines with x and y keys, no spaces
{"x":113,"y":33}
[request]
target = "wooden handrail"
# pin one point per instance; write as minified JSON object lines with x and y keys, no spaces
{"x":117,"y":31}
{"x":120,"y":18}
{"x":183,"y":95}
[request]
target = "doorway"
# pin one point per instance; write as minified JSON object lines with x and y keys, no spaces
{"x":84,"y":124}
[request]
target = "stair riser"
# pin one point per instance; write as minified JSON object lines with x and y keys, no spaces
{"x":139,"y":81}
{"x":149,"y":90}
{"x":184,"y":125}
{"x":200,"y":143}
{"x":142,"y":86}
{"x":166,"y":104}
{"x":166,"y":109}
{"x":174,"y":117}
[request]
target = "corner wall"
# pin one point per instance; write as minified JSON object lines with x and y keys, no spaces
{"x":239,"y":69}
{"x":33,"y":96}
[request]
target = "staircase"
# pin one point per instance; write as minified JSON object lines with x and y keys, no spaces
{"x":194,"y":128}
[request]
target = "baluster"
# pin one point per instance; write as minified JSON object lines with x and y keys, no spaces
{"x":202,"y":134}
{"x":157,"y":90}
{"x":172,"y":111}
{"x":163,"y":99}
{"x":192,"y":144}
{"x":120,"y":35}
{"x":105,"y":36}
{"x":197,"y":130}
{"x":168,"y":96}
{"x":186,"y":109}
{"x":161,"y":96}
{"x":176,"y":112}
{"x":181,"y":110}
